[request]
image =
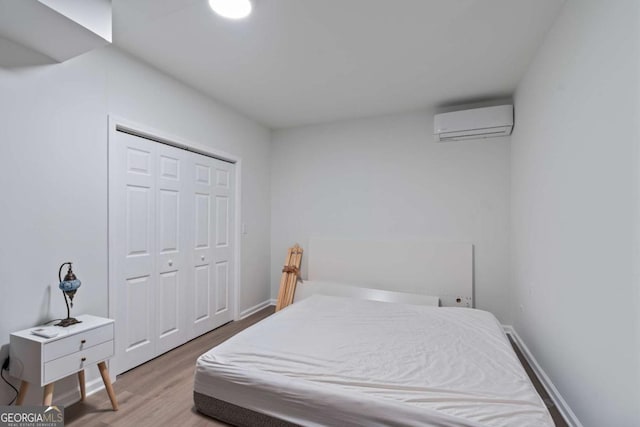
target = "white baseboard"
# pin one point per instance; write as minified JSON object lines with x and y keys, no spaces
{"x":256,"y":308}
{"x":273,"y":301}
{"x":566,"y":412}
{"x":73,"y":396}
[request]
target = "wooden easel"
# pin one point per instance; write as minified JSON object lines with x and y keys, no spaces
{"x":289,"y":279}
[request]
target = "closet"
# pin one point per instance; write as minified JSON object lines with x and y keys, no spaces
{"x":171,"y":246}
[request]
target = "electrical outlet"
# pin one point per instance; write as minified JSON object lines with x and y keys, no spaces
{"x":456,"y":301}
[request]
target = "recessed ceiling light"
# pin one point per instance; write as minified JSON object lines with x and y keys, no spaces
{"x":231,"y":9}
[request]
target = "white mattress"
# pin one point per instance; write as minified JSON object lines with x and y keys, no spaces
{"x":340,"y":361}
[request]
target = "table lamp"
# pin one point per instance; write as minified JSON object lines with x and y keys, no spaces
{"x":68,"y":286}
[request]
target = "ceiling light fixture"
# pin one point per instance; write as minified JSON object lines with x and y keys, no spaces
{"x":231,"y":9}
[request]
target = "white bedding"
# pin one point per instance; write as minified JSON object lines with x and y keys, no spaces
{"x":347,"y":362}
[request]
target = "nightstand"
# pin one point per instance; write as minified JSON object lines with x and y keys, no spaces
{"x":42,"y":361}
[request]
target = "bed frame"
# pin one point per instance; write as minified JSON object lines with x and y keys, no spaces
{"x":233,"y":414}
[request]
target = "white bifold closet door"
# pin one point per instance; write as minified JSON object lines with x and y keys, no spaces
{"x":170,"y":246}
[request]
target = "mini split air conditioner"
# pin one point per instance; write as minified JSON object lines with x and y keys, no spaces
{"x":488,"y":122}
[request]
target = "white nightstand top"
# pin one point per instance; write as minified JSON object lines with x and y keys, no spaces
{"x":88,"y":322}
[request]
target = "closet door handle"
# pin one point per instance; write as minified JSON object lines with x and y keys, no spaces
{"x":83,"y":342}
{"x":84,"y":359}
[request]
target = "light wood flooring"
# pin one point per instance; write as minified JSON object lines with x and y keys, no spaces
{"x":160,"y":392}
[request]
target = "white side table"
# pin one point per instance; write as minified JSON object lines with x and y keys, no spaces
{"x":42,"y":361}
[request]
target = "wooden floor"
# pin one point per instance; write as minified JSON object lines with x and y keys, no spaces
{"x":160,"y":392}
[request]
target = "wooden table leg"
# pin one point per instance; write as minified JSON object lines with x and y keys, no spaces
{"x":47,"y":397}
{"x":83,"y":394}
{"x":24,"y":386}
{"x":107,"y":384}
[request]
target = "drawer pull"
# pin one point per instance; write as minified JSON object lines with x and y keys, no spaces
{"x":83,"y":341}
{"x":83,"y":359}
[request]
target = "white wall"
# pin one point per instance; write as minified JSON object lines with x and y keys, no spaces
{"x":575,"y":217}
{"x":385,"y":176}
{"x":53,"y":135}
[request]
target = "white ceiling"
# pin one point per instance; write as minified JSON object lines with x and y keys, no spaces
{"x":295,"y":62}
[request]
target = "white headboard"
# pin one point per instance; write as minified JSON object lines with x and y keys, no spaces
{"x":310,"y":287}
{"x":442,"y":269}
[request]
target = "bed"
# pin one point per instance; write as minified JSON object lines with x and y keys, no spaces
{"x":380,"y":334}
{"x":328,"y":360}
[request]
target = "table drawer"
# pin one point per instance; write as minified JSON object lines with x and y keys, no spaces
{"x":77,"y":342}
{"x":72,"y":363}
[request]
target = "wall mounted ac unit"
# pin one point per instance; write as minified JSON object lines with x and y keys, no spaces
{"x":488,"y":122}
